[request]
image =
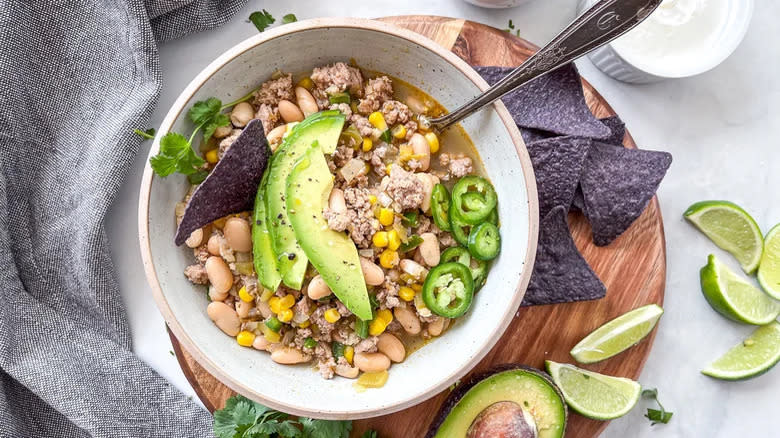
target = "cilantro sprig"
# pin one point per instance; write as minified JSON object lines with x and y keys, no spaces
{"x":146,"y":135}
{"x":263,"y":19}
{"x":656,"y":416}
{"x":511,"y":27}
{"x":243,"y":418}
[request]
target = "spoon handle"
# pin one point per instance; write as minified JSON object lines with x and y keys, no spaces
{"x":602,"y":23}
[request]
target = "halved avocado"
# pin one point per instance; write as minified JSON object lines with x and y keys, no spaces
{"x":508,"y":400}
{"x":332,"y":253}
{"x":262,"y":247}
{"x":325,"y":128}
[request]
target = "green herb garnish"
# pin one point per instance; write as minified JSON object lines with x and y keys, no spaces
{"x":261,"y":19}
{"x":410,"y":219}
{"x":147,"y":135}
{"x":243,"y":418}
{"x":369,"y":434}
{"x":511,"y":27}
{"x":656,"y":415}
{"x":289,"y":18}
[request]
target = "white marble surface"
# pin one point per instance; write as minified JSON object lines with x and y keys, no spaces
{"x":722,"y":128}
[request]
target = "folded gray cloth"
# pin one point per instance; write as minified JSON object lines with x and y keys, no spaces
{"x":76,"y":77}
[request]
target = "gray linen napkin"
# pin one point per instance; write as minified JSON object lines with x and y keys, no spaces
{"x":75,"y":78}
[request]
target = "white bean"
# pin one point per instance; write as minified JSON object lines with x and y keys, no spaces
{"x":373,"y":274}
{"x":213,"y":244}
{"x":427,"y":184}
{"x":216,"y":295}
{"x":371,"y":362}
{"x":243,"y":308}
{"x":291,"y":113}
{"x":241,"y":115}
{"x":391,"y":347}
{"x":429,"y":249}
{"x":318,"y":288}
{"x":306,"y":101}
{"x":224,"y":317}
{"x":289,"y":356}
{"x":336,"y":202}
{"x":275,"y":136}
{"x":422,"y":150}
{"x":195,"y":239}
{"x":413,"y":268}
{"x":222,"y":131}
{"x":219,"y":274}
{"x":260,"y":343}
{"x":347,"y":371}
{"x":238,"y":234}
{"x":436,"y":326}
{"x":408,"y":320}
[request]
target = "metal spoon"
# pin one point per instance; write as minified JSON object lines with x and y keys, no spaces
{"x":602,"y":23}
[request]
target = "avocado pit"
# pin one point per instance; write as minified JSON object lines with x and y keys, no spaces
{"x":504,"y":419}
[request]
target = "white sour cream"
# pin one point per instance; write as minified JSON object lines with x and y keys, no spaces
{"x":678,"y":37}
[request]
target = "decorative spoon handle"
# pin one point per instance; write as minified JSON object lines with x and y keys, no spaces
{"x":602,"y":23}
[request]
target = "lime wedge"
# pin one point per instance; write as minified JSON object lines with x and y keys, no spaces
{"x":617,"y":335}
{"x":731,"y":228}
{"x":594,"y":395}
{"x":734,"y":297}
{"x":769,"y":271}
{"x":754,"y":356}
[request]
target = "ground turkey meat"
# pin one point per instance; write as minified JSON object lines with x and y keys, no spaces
{"x":364,"y":127}
{"x":457,"y":165}
{"x":269,"y":116}
{"x":326,"y":328}
{"x":339,"y":77}
{"x":396,"y":112}
{"x":325,"y":362}
{"x":405,"y":188}
{"x":342,"y":155}
{"x":359,"y":218}
{"x":388,"y":294}
{"x":446,"y":240}
{"x":367,"y":345}
{"x":343,"y":107}
{"x":271,"y":92}
{"x":377,"y":92}
{"x":227,"y":142}
{"x":196,"y":273}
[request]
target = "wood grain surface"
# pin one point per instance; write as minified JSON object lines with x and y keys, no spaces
{"x":633,"y":267}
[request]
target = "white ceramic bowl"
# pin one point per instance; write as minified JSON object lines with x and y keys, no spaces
{"x":300,"y":390}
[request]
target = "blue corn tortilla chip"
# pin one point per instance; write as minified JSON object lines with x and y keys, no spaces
{"x":232,"y":184}
{"x":617,"y":184}
{"x":554,"y":102}
{"x":558,"y":163}
{"x":531,"y":135}
{"x":617,"y":130}
{"x":578,"y":202}
{"x":560,"y":274}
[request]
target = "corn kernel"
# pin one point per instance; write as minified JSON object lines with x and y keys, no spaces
{"x":377,"y":327}
{"x":286,"y":302}
{"x":274,"y":304}
{"x":380,"y":239}
{"x":433,"y":141}
{"x":373,"y":380}
{"x":372,"y":199}
{"x":368,"y":144}
{"x":304,"y":324}
{"x":332,"y":316}
{"x":306,"y":83}
{"x":272,"y":336}
{"x":399,"y":132}
{"x":417,"y":287}
{"x":349,"y":353}
{"x":388,"y":168}
{"x":244,"y":295}
{"x":212,"y":157}
{"x":286,"y":315}
{"x":245,"y":338}
{"x":385,"y":315}
{"x":266,"y":295}
{"x":406,"y":293}
{"x":393,"y":240}
{"x":388,"y":259}
{"x":386,"y":216}
{"x":378,"y":120}
{"x":405,"y":152}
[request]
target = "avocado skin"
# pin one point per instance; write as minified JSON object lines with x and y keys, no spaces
{"x":332,"y":253}
{"x":325,"y":127}
{"x":462,"y":389}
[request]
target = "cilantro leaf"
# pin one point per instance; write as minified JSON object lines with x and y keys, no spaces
{"x":656,"y":415}
{"x":176,"y":155}
{"x":325,"y":429}
{"x":204,"y":110}
{"x":147,"y":135}
{"x":261,"y":20}
{"x":289,"y":18}
{"x":198,"y":177}
{"x":369,"y":434}
{"x":237,"y":417}
{"x":212,"y":124}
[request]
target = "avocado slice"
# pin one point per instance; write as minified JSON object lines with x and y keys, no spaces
{"x":262,"y":248}
{"x":325,"y":128}
{"x":332,"y":253}
{"x":511,"y":397}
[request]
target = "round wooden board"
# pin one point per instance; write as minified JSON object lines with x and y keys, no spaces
{"x":633,"y":267}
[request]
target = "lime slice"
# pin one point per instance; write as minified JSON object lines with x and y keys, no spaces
{"x":769,"y":271}
{"x":617,"y":335}
{"x":754,"y":356}
{"x":594,"y":395}
{"x":735,"y":298}
{"x":731,"y":228}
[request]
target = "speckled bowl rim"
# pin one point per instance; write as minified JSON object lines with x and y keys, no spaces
{"x":178,"y":107}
